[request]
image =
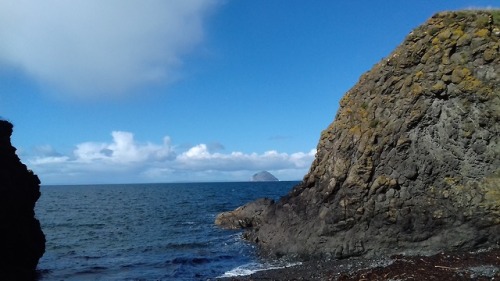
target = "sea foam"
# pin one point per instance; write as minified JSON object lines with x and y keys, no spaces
{"x":251,"y":268}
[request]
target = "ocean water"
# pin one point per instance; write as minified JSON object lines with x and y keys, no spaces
{"x":147,"y":231}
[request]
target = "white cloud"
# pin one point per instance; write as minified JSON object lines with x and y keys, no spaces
{"x":90,"y":48}
{"x":199,"y":158}
{"x":39,"y":161}
{"x":123,"y":150}
{"x":126,"y":160}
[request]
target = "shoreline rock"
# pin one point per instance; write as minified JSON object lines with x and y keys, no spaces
{"x":411,"y":163}
{"x":454,"y":266}
{"x":248,"y":215}
{"x":22,"y":242}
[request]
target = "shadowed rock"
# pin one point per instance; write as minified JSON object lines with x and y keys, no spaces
{"x":411,"y":163}
{"x":22,"y":241}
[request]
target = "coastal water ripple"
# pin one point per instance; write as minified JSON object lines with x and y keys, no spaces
{"x":145,"y":231}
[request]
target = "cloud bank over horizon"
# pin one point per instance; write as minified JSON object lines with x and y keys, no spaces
{"x":91,"y":48}
{"x":125,"y":160}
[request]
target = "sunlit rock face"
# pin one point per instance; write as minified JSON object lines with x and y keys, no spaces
{"x":411,"y":163}
{"x":22,"y":241}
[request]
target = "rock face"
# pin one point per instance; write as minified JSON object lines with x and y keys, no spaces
{"x":22,"y":241}
{"x":264,"y":176}
{"x":411,"y":163}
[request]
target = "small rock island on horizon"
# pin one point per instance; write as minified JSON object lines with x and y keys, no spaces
{"x":264,"y":176}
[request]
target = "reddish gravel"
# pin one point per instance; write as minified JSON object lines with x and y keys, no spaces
{"x":484,"y":265}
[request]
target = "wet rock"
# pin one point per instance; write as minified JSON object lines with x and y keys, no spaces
{"x":454,"y":266}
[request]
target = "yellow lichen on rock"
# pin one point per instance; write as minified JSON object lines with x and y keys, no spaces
{"x":491,"y":187}
{"x":482,"y":32}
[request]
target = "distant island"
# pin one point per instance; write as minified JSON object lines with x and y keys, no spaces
{"x":264,"y":176}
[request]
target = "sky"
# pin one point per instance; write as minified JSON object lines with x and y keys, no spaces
{"x":149,"y":91}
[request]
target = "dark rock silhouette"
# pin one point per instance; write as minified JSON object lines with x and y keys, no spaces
{"x":411,"y":164}
{"x":264,"y":176}
{"x":22,"y":241}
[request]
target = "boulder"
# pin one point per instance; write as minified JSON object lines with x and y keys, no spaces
{"x":411,"y":163}
{"x":246,"y":216}
{"x":22,"y":241}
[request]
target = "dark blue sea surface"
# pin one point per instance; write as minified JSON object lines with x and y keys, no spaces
{"x":146,"y":231}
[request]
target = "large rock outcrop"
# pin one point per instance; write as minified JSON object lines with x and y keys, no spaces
{"x":22,"y":241}
{"x":246,"y":216}
{"x":411,"y":163}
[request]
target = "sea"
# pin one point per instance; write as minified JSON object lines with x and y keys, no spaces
{"x":148,"y":231}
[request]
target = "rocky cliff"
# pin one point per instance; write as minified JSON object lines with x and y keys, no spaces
{"x":22,"y":241}
{"x":411,"y":163}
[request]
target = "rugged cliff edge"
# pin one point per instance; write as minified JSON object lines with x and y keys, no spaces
{"x":22,"y":241}
{"x":411,"y":163}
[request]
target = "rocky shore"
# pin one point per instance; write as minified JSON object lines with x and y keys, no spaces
{"x":458,"y":266}
{"x":409,"y":168}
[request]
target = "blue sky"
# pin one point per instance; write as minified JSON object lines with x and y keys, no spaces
{"x":169,"y":91}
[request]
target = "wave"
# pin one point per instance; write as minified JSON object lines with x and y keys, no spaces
{"x":189,"y":261}
{"x":251,"y":268}
{"x":187,"y":245}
